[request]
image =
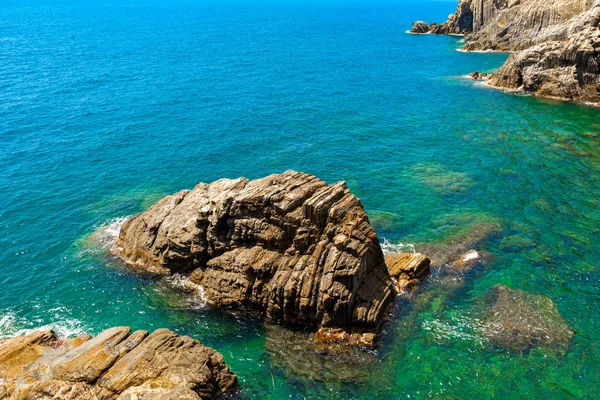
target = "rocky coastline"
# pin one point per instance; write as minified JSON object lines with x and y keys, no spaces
{"x":555,"y":45}
{"x":304,"y":254}
{"x":115,"y":364}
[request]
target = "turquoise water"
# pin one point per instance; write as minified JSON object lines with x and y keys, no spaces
{"x":106,"y":108}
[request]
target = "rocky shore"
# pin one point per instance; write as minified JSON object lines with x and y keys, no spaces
{"x":556,"y":44}
{"x":116,"y":364}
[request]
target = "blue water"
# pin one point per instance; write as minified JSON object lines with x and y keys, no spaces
{"x":105,"y":108}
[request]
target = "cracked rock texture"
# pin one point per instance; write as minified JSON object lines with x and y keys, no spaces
{"x":116,"y":364}
{"x":557,"y":43}
{"x":299,"y":250}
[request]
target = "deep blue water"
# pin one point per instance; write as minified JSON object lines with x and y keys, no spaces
{"x":105,"y":108}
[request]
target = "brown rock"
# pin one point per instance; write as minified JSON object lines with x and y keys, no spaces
{"x":519,"y":320}
{"x":474,"y":75}
{"x":406,"y":269}
{"x":336,"y":335}
{"x":557,"y":43}
{"x":420,"y":27}
{"x":112,"y":365}
{"x":289,"y":245}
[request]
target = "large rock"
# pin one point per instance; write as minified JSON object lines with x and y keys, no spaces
{"x":113,"y":365}
{"x":557,"y":43}
{"x":566,"y":68}
{"x":299,"y":250}
{"x":519,"y":320}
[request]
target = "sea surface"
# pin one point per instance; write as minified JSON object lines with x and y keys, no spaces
{"x":105,"y":107}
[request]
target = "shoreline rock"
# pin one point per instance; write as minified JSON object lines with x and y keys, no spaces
{"x":115,"y":364}
{"x":556,"y":45}
{"x":407,"y":269}
{"x":300,"y":251}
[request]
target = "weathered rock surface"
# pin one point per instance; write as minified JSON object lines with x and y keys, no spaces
{"x":420,"y":27}
{"x":299,"y":250}
{"x":116,"y":364}
{"x":519,"y":320}
{"x":557,"y":42}
{"x":407,"y":269}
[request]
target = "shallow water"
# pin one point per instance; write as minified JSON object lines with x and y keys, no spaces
{"x":106,"y":108}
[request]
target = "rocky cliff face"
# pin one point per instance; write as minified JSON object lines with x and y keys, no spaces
{"x":116,"y":364}
{"x":556,"y":42}
{"x":289,"y":245}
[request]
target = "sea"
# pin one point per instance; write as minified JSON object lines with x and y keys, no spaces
{"x":107,"y":106}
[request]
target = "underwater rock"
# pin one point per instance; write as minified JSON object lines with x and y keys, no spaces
{"x":299,"y":250}
{"x":303,"y":357}
{"x":461,"y":246}
{"x":441,"y":179}
{"x":114,"y":364}
{"x":519,"y":320}
{"x":420,"y":27}
{"x":407,"y":269}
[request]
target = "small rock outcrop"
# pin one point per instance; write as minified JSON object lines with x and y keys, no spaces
{"x":407,"y":269}
{"x":420,"y":27}
{"x":300,"y":251}
{"x":519,"y":320}
{"x":557,"y":43}
{"x":116,"y":364}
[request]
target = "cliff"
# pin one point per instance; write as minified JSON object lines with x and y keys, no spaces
{"x":556,"y":43}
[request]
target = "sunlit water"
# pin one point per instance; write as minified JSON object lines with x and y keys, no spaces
{"x":106,"y":108}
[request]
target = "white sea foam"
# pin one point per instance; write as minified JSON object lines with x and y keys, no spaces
{"x":389,"y":247}
{"x":462,"y":50}
{"x":196,"y":298}
{"x":11,"y":325}
{"x":106,"y":235}
{"x":102,"y":239}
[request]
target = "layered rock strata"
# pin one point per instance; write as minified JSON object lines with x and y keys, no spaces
{"x":299,"y":250}
{"x":557,"y":43}
{"x":407,"y":269}
{"x":116,"y":364}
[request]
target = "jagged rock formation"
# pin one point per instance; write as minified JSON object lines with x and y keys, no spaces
{"x":519,"y":320}
{"x":407,"y":269}
{"x":289,"y":245}
{"x":557,"y":43}
{"x":116,"y":364}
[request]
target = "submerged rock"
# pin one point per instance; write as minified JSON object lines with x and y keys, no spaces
{"x":303,"y":357}
{"x":459,"y":250}
{"x":116,"y":364}
{"x":519,"y":320}
{"x":299,"y":250}
{"x":407,"y":269}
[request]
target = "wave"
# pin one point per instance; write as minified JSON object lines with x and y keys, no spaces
{"x":102,"y":239}
{"x":12,"y":325}
{"x":196,"y":298}
{"x":390,"y":248}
